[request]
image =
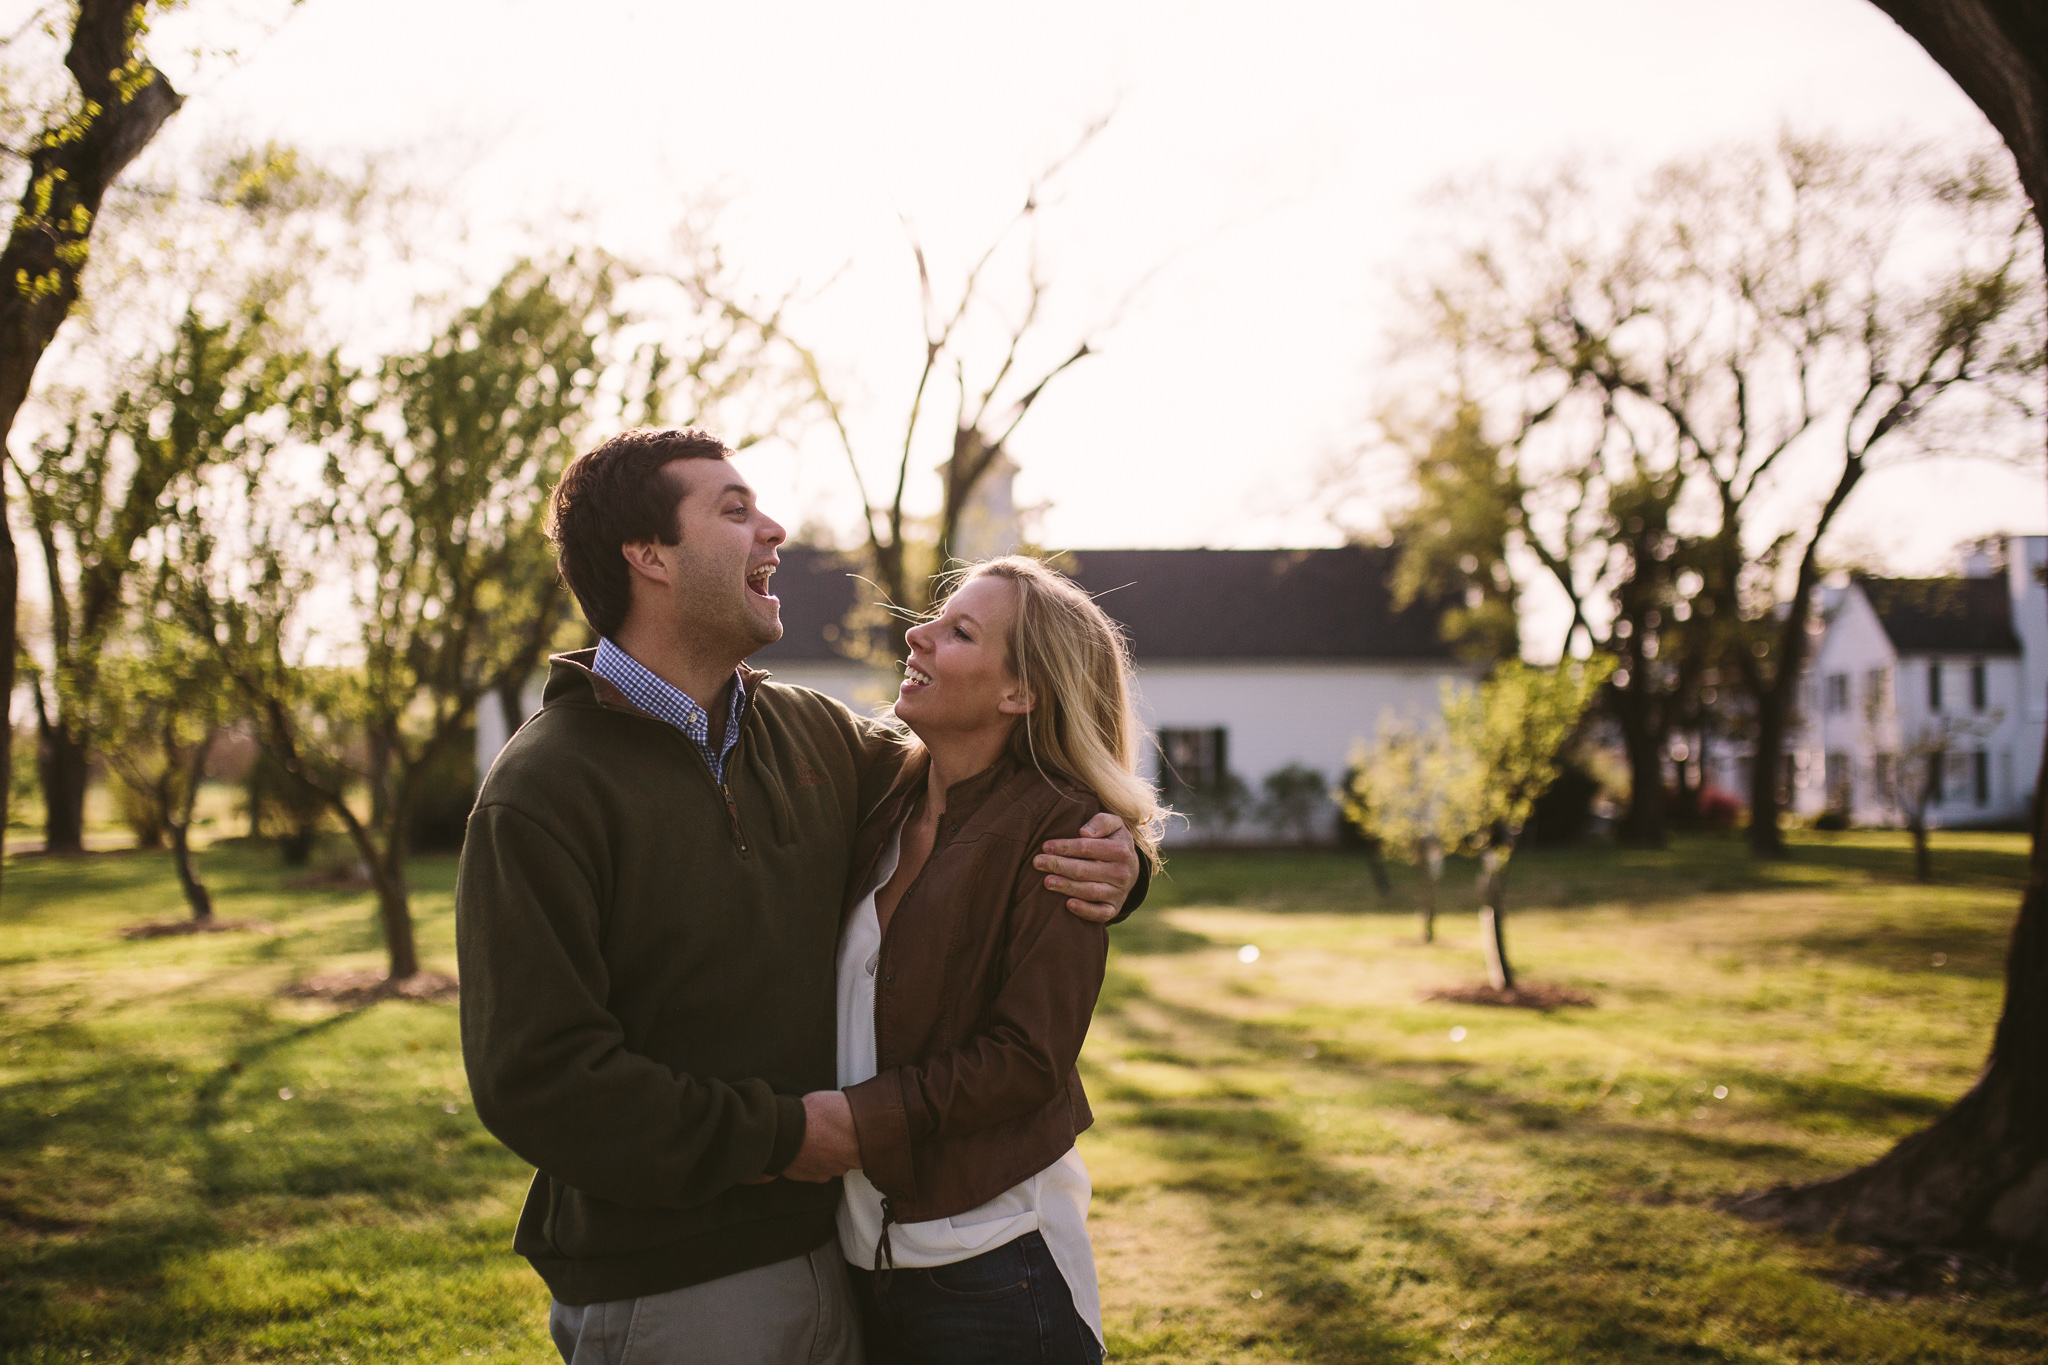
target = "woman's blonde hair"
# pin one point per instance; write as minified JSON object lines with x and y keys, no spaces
{"x":1072,"y":660}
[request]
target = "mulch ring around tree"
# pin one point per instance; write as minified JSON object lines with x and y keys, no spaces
{"x":369,"y":986}
{"x":1530,"y":995}
{"x":173,"y":928}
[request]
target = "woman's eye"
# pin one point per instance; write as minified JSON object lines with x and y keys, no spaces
{"x":963,"y":635}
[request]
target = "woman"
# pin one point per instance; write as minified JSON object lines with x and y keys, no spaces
{"x":965,"y":987}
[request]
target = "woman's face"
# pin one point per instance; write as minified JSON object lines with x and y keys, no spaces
{"x":957,"y":679}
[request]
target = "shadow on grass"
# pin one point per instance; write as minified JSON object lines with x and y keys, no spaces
{"x":121,"y":1166}
{"x":1623,"y":1217}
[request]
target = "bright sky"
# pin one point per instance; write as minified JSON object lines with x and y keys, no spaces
{"x":1265,"y":160}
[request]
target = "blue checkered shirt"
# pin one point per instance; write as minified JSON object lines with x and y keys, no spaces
{"x":657,"y":697}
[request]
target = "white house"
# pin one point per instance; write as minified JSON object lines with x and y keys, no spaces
{"x":1933,"y":679}
{"x":1248,"y":661}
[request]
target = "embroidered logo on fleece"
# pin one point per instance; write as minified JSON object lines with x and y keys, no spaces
{"x":806,"y":775}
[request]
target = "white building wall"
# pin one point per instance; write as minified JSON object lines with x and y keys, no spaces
{"x":1275,"y":714}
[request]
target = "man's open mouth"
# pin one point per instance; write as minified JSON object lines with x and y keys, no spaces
{"x":757,"y":581}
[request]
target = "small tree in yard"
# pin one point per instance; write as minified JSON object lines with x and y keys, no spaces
{"x":1918,"y":779}
{"x":1417,"y":792}
{"x":1515,"y":727}
{"x":437,"y":465}
{"x":163,"y":702}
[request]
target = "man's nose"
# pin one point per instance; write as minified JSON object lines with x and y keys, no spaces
{"x":772,"y":532}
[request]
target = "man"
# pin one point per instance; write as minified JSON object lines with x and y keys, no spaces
{"x":647,"y":918}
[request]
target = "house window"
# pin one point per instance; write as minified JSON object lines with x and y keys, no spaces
{"x":1981,"y":777}
{"x":1934,"y":687}
{"x":1883,"y":778}
{"x":1838,"y":693}
{"x":1840,"y":778}
{"x":1937,"y":767}
{"x":1191,"y":760}
{"x":1877,"y":688}
{"x":1978,"y":691}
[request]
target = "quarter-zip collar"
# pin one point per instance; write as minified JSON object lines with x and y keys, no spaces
{"x":572,"y":673}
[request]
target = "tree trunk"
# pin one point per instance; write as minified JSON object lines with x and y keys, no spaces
{"x":180,"y":821}
{"x":1493,"y":873}
{"x":48,"y":245}
{"x":1980,"y":1173}
{"x":1644,"y":825}
{"x":64,"y":780}
{"x":393,"y":910}
{"x":196,"y":894}
{"x":1432,"y":869}
{"x":1923,"y":868}
{"x":1766,"y":840}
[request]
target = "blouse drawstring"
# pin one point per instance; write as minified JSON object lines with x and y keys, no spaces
{"x":885,"y":1255}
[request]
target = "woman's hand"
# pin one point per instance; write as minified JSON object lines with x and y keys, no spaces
{"x":1096,"y":870}
{"x":831,"y":1148}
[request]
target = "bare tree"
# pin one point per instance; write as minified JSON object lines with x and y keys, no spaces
{"x":987,"y":409}
{"x":1662,"y":361}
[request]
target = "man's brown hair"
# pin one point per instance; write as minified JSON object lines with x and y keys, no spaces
{"x":614,"y":496}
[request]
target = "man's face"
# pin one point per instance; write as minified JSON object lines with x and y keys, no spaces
{"x":718,"y":582}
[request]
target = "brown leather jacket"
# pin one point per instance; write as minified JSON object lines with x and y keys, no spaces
{"x":983,"y":993}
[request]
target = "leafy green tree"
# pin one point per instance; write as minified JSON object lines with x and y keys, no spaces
{"x":1454,"y":537}
{"x":428,"y":515}
{"x":163,"y":701}
{"x":1514,"y":729}
{"x":1417,"y":791}
{"x":88,"y":136}
{"x":99,"y":489}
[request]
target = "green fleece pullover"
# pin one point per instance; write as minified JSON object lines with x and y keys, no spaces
{"x":647,"y":976}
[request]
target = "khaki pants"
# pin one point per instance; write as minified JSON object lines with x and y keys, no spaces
{"x":795,"y":1312}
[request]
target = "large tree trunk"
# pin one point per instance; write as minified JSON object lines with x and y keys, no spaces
{"x":64,"y":780}
{"x":1980,"y":1173}
{"x":48,"y":246}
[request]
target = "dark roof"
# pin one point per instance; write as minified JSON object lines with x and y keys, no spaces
{"x":817,"y":589}
{"x":1178,"y":604}
{"x":1944,"y":615}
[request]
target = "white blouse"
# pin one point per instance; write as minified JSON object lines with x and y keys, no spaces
{"x":1054,"y":1202}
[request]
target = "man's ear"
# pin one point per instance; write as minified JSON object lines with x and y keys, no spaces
{"x":647,"y":561}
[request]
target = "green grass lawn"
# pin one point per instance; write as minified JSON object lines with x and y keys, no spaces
{"x":1296,"y":1158}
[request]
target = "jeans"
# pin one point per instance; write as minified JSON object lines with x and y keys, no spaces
{"x":1005,"y":1305}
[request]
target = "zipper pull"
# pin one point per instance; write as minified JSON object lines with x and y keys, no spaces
{"x":732,"y":812}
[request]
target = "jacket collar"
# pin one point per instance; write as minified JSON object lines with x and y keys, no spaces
{"x":571,"y":680}
{"x":963,"y":799}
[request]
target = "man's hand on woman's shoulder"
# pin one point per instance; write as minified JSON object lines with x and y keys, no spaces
{"x":1096,"y":871}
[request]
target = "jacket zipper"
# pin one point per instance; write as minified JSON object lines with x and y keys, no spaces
{"x":732,"y":808}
